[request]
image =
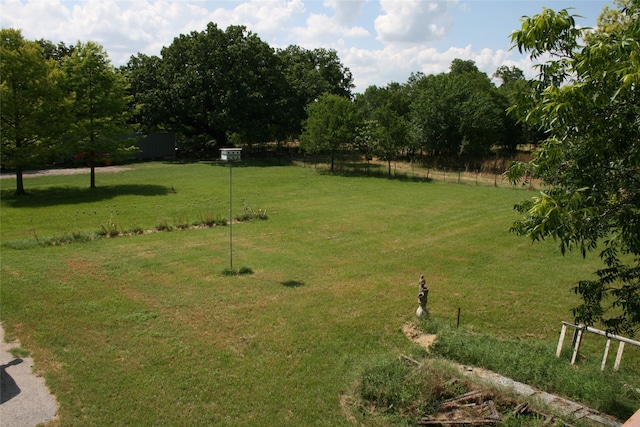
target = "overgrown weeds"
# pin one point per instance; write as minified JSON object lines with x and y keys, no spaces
{"x":249,"y":214}
{"x":210,"y":220}
{"x":534,"y":363}
{"x":401,"y":392}
{"x":111,"y":229}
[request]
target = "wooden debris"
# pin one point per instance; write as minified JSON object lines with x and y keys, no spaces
{"x":521,"y":408}
{"x":476,"y":395}
{"x":469,"y":422}
{"x":409,"y":359}
{"x":475,"y":408}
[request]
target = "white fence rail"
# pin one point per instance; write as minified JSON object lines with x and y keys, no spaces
{"x":580,"y":329}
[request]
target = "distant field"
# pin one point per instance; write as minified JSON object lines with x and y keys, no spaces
{"x":146,"y":330}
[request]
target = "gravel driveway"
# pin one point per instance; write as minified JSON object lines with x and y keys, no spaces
{"x":66,"y":171}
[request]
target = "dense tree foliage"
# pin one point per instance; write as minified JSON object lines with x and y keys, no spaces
{"x":309,"y":74}
{"x":457,"y":112}
{"x":330,"y":126}
{"x":386,"y":129}
{"x":514,"y":86}
{"x":100,"y":106}
{"x":223,"y":82}
{"x":215,"y":87}
{"x":32,"y":103}
{"x":58,"y":52}
{"x":220,"y":87}
{"x":587,"y":99}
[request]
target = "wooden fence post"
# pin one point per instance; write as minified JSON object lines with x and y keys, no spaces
{"x":606,"y":353}
{"x":577,"y":346}
{"x":619,"y":356}
{"x":563,"y":331}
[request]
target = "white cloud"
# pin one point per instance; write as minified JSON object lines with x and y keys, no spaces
{"x":395,"y":63}
{"x":380,"y":41}
{"x":125,"y":28}
{"x":50,"y":17}
{"x":346,"y":10}
{"x":413,"y":21}
{"x":322,"y":30}
{"x":265,"y":17}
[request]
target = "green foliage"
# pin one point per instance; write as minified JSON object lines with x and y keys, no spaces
{"x":109,"y":229}
{"x":457,"y":112}
{"x":396,"y":387}
{"x":209,"y":219}
{"x":219,"y":86}
{"x":330,"y":125}
{"x":386,"y":130}
{"x":164,"y":225}
{"x":309,"y":74}
{"x":586,"y":99}
{"x":514,"y":89}
{"x":99,"y":108}
{"x":33,"y":104}
{"x":249,"y":214}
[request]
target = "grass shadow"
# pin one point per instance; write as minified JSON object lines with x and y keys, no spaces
{"x":252,"y":162}
{"x":53,"y":196}
{"x":359,"y":173}
{"x":292,"y":283}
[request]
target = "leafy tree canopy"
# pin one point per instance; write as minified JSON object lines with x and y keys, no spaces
{"x":587,"y":100}
{"x":309,"y":74}
{"x":33,"y":105}
{"x":385,"y":131}
{"x":219,"y":86}
{"x":100,"y":105}
{"x":330,"y":126}
{"x":457,"y":112}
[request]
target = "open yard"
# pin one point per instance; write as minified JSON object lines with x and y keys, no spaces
{"x":145,"y":329}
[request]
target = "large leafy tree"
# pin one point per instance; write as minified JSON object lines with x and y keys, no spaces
{"x":33,"y":105}
{"x":100,"y":106}
{"x":309,"y":74}
{"x":58,"y":52}
{"x":146,"y":86}
{"x":331,"y":125}
{"x":587,"y":99}
{"x":386,"y":130}
{"x":514,"y":86}
{"x":211,"y":87}
{"x":457,"y":112}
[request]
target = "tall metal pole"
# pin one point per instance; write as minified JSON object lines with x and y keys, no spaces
{"x":230,"y":217}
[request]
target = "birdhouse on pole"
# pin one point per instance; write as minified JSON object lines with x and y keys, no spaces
{"x":230,"y":154}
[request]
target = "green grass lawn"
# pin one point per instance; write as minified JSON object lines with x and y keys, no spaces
{"x":146,"y":330}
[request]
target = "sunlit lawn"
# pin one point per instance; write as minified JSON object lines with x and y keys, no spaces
{"x":146,"y":330}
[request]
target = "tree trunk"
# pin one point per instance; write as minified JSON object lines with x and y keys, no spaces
{"x":19,"y":182}
{"x":93,"y":174}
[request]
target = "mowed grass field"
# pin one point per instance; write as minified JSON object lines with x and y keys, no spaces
{"x":147,"y":330}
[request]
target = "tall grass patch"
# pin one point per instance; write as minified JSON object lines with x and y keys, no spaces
{"x":534,"y":362}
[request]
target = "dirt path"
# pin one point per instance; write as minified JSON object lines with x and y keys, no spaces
{"x":66,"y":171}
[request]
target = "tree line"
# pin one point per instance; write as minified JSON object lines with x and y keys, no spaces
{"x":217,"y":88}
{"x":456,"y":116}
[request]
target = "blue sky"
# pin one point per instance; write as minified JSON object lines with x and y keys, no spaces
{"x":380,"y":41}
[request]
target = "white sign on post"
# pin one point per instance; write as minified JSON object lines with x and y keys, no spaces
{"x":230,"y":154}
